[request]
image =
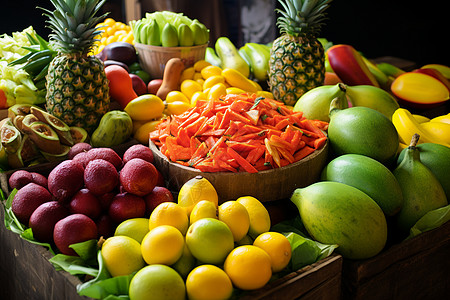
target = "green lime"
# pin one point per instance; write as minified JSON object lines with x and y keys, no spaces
{"x":135,"y":67}
{"x":144,"y":75}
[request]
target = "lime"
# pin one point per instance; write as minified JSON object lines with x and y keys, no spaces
{"x":135,"y":228}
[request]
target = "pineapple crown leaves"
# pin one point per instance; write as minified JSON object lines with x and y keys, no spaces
{"x":73,"y":24}
{"x":302,"y":16}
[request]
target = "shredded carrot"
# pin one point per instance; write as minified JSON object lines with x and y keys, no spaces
{"x":238,"y":133}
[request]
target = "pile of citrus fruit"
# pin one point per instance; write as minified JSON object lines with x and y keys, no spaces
{"x":196,"y":248}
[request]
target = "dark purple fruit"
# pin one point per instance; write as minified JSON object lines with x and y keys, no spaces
{"x":110,"y":62}
{"x":121,"y":51}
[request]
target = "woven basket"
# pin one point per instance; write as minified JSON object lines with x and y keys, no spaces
{"x":153,"y":59}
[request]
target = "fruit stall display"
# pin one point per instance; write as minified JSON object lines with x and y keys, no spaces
{"x":296,"y":169}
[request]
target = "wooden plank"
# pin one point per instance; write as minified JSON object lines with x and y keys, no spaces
{"x":418,"y":268}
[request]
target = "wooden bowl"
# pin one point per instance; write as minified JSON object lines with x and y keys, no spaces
{"x":268,"y":185}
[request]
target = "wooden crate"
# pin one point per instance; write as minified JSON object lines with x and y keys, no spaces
{"x":418,"y":268}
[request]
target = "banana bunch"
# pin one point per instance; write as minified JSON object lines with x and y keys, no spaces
{"x":436,"y":130}
{"x":169,"y":29}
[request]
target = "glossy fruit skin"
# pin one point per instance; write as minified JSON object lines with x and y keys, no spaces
{"x":369,"y":176}
{"x":354,"y":221}
{"x":436,"y":157}
{"x":114,"y":129}
{"x":365,"y":131}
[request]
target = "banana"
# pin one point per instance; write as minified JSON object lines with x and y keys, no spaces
{"x":438,"y":129}
{"x":420,"y":118}
{"x":259,"y":60}
{"x":407,"y":126}
{"x":230,"y":56}
{"x":373,"y":97}
{"x":443,"y":119}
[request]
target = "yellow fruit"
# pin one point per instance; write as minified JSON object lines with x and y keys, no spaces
{"x":440,"y":130}
{"x":177,"y":107}
{"x":246,"y":240}
{"x":235,"y":215}
{"x":198,"y":76}
{"x":210,"y":71}
{"x":135,"y":228}
{"x":189,"y":87}
{"x":207,"y":282}
{"x":122,"y":255}
{"x":203,"y":209}
{"x":142,"y":134}
{"x":169,"y":213}
{"x":259,"y":216}
{"x":145,"y":107}
{"x":235,"y":90}
{"x":420,"y":118}
{"x":173,"y":96}
{"x":157,"y":282}
{"x":187,"y":73}
{"x":264,"y":94}
{"x":211,"y":81}
{"x":248,"y":267}
{"x":216,"y":91}
{"x":195,"y":190}
{"x":442,"y":119}
{"x":201,"y":64}
{"x":185,"y":263}
{"x":209,"y":240}
{"x":162,"y":245}
{"x":196,"y":96}
{"x":278,"y":248}
{"x":236,"y":79}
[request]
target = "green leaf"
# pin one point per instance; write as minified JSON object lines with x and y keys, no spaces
{"x":104,"y":286}
{"x":74,"y":265}
{"x":430,"y":220}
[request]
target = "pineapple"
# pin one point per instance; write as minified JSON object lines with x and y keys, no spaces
{"x":77,"y":87}
{"x":297,"y":58}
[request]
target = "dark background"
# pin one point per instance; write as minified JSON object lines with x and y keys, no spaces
{"x":376,"y":28}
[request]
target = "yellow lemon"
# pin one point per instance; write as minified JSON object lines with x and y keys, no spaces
{"x":203,"y":209}
{"x":195,"y":190}
{"x":157,"y":282}
{"x":248,"y":267}
{"x":208,"y":282}
{"x":185,"y":263}
{"x":122,"y":255}
{"x":259,"y":216}
{"x":145,"y":107}
{"x":278,"y":248}
{"x":189,"y":87}
{"x":209,"y":240}
{"x":135,"y":228}
{"x":162,"y":245}
{"x":169,"y":213}
{"x":235,"y":215}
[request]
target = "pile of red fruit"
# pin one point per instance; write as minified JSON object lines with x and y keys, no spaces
{"x":88,"y":195}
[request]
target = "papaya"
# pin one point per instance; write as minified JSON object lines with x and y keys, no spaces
{"x":437,"y":158}
{"x":369,"y":176}
{"x":114,"y":129}
{"x":337,"y":213}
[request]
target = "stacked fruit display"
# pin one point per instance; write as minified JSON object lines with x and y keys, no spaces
{"x":113,"y":31}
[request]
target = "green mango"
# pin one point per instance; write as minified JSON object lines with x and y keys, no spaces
{"x":337,"y":213}
{"x":115,"y":128}
{"x":369,"y":176}
{"x":363,"y":130}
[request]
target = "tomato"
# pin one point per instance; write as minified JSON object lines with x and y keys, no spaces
{"x":154,"y":85}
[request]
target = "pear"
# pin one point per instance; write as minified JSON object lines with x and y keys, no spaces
{"x":315,"y":104}
{"x":421,"y":190}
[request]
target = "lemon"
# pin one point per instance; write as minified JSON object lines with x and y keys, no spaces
{"x":122,"y":255}
{"x":248,"y":267}
{"x":259,"y":216}
{"x":162,"y":245}
{"x":145,"y":107}
{"x":203,"y":209}
{"x":209,"y":240}
{"x":195,"y":190}
{"x":208,"y":282}
{"x":135,"y":228}
{"x":235,"y":215}
{"x":185,"y":263}
{"x":169,"y":213}
{"x":157,"y":282}
{"x":278,"y":248}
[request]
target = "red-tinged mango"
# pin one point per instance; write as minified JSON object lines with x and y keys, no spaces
{"x":349,"y":65}
{"x":419,"y":90}
{"x":436,"y":74}
{"x":441,"y":68}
